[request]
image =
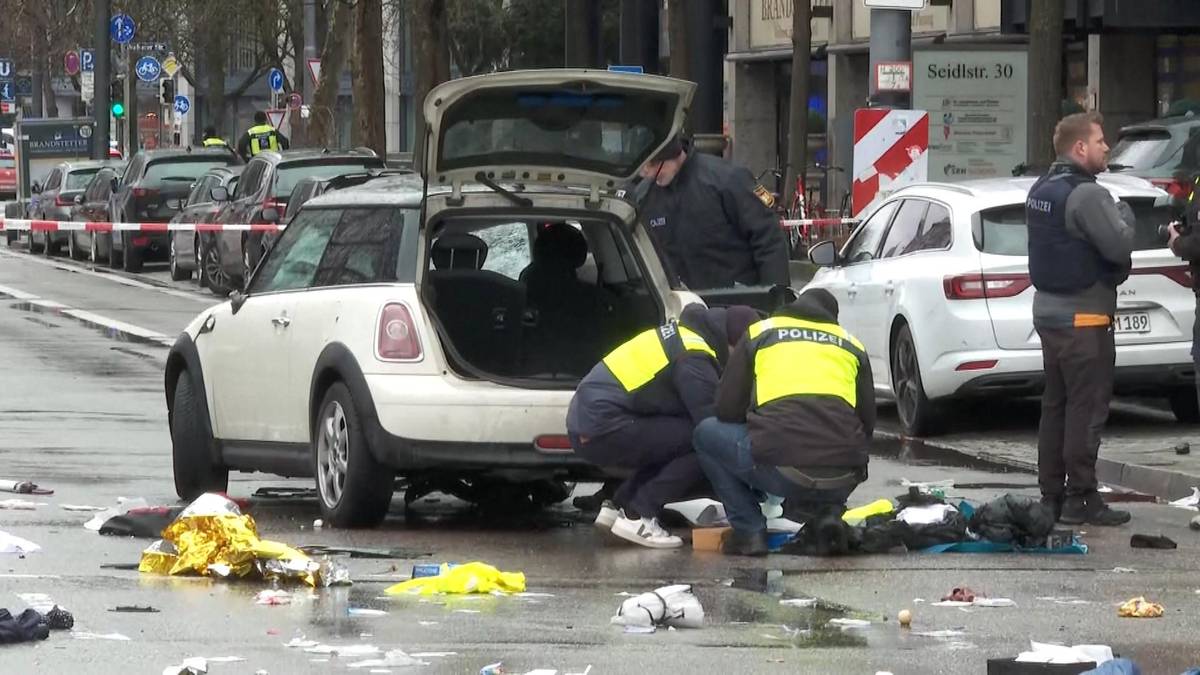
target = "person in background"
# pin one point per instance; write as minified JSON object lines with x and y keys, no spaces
{"x":713,"y":222}
{"x":1080,"y":242}
{"x":212,"y":140}
{"x":261,"y":136}
{"x":795,"y":414}
{"x":636,"y":411}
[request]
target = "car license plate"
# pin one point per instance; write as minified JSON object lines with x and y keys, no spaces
{"x":1133,"y":322}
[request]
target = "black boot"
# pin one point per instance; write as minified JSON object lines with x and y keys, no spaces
{"x":1091,"y":509}
{"x":745,"y":543}
{"x":1055,"y":504}
{"x":832,"y":536}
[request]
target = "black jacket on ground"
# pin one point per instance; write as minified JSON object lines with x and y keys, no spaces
{"x":685,"y":388}
{"x":799,"y":431}
{"x":713,"y":228}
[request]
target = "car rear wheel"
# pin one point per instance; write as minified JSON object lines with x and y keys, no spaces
{"x":354,"y":489}
{"x":918,"y":415}
{"x":131,"y":261}
{"x":177,"y":272}
{"x":34,"y":246}
{"x":212,"y":274}
{"x":50,"y":248}
{"x":114,"y":256}
{"x":191,"y":445}
{"x":1184,"y":404}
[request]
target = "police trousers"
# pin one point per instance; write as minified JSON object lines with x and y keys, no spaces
{"x":1079,"y":365}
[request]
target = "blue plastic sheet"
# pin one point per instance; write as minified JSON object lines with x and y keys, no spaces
{"x":1115,"y":667}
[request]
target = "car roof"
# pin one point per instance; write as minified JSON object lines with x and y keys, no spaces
{"x":986,"y":193}
{"x":277,"y":156}
{"x":387,"y":190}
{"x":160,"y":153}
{"x":1163,"y":123}
{"x":93,"y":164}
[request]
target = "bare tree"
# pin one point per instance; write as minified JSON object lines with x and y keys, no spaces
{"x":431,"y":62}
{"x":1045,"y":79}
{"x":367,"y":73}
{"x":798,"y":106}
{"x":322,"y":126}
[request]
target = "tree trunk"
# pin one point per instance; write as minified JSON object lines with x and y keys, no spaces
{"x":431,"y":62}
{"x":798,"y":106}
{"x":1045,"y":80}
{"x":322,"y":126}
{"x":582,"y":26}
{"x":299,"y":137}
{"x":215,"y":56}
{"x":677,"y":38}
{"x":367,"y":72}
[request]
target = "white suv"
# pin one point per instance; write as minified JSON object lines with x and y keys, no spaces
{"x":935,"y":282}
{"x":436,"y":331}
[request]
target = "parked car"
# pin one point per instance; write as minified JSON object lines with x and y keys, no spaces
{"x":935,"y":283}
{"x":261,"y":197}
{"x":1164,"y":151}
{"x":152,"y":178}
{"x":92,"y":206}
{"x":8,"y":176}
{"x":54,"y":198}
{"x":389,"y":332}
{"x":198,"y":207}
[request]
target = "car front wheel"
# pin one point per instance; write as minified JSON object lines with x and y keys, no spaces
{"x":177,"y":272}
{"x":354,"y":489}
{"x":918,"y":415}
{"x":191,"y":445}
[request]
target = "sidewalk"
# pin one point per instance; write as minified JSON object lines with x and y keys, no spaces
{"x":1138,"y":450}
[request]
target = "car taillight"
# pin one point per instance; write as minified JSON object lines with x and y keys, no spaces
{"x":557,"y":443}
{"x":1178,"y":189}
{"x":977,"y":365}
{"x":144,"y":192}
{"x":398,"y":339}
{"x":978,"y":286}
{"x":60,"y":200}
{"x":1180,"y":274}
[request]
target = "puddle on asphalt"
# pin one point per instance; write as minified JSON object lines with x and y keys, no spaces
{"x":105,"y":331}
{"x":917,"y":452}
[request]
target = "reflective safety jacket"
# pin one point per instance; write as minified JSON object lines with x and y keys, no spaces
{"x":214,"y":142}
{"x":803,"y":387}
{"x":262,"y":137}
{"x":671,"y":370}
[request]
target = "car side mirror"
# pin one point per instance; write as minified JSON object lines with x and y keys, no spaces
{"x":79,"y":200}
{"x":36,"y":188}
{"x":270,"y":214}
{"x":823,"y":254}
{"x":219,"y":194}
{"x":175,"y":204}
{"x":236,"y":300}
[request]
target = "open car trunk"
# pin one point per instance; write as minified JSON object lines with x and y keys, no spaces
{"x":534,"y":301}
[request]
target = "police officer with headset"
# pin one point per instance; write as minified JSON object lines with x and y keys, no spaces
{"x":261,"y":136}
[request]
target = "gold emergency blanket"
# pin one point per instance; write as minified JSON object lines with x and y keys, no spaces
{"x":1140,"y":608}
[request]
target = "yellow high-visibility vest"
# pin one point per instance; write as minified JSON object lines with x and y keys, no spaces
{"x":794,"y":357}
{"x":641,"y":359}
{"x":262,"y":137}
{"x":213,"y":142}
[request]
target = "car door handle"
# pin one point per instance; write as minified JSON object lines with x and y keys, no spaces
{"x":889,"y":288}
{"x":281,"y":321}
{"x":852,"y":290}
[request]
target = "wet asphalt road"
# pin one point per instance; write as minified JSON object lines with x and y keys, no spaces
{"x":83,"y":413}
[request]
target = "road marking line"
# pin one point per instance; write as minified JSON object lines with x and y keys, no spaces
{"x":125,"y":281}
{"x":90,"y":319}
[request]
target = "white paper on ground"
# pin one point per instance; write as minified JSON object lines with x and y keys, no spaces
{"x":925,"y":515}
{"x":432,"y":655}
{"x":939,"y":633}
{"x":11,"y":543}
{"x":81,"y":507}
{"x":948,"y":483}
{"x":847,"y":624}
{"x":1065,"y":600}
{"x":100,"y":636}
{"x":542,"y":671}
{"x":692,"y":511}
{"x":395,"y":657}
{"x":993,"y":602}
{"x":20,"y":505}
{"x":1191,"y":503}
{"x":799,"y":602}
{"x":301,"y":642}
{"x":344,"y":650}
{"x":125,"y":505}
{"x":1041,"y":652}
{"x":363,"y":611}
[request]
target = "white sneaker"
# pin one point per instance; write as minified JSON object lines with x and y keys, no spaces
{"x":607,"y":516}
{"x":646,"y":532}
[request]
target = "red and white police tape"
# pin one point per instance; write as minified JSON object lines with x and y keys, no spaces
{"x":815,"y":222}
{"x":27,"y":225}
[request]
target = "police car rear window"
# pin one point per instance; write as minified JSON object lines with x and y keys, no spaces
{"x":1003,"y":230}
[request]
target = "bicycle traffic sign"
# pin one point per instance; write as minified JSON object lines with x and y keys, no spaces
{"x":182,"y":104}
{"x":121,"y":28}
{"x":148,"y":69}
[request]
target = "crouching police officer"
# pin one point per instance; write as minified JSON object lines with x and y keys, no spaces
{"x":637,"y":408}
{"x":795,"y":415}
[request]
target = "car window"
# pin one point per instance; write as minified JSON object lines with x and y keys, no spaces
{"x":1004,"y":231}
{"x":363,"y":247}
{"x":288,"y":175}
{"x":1141,"y":149}
{"x":134,"y":171}
{"x":249,"y":180}
{"x":176,"y":171}
{"x":935,"y":231}
{"x":509,"y":250}
{"x":905,"y":227}
{"x":863,"y":245}
{"x":201,"y":193}
{"x":292,"y":263}
{"x":78,"y":179}
{"x":53,"y":180}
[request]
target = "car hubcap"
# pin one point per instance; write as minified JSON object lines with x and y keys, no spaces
{"x":212,"y":266}
{"x":908,"y":381}
{"x":333,"y":454}
{"x":92,"y":249}
{"x":174,"y":269}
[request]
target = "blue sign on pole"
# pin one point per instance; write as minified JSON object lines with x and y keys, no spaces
{"x":121,"y":28}
{"x":182,"y":104}
{"x":6,"y":70}
{"x":637,"y":70}
{"x":148,"y":69}
{"x":275,"y":79}
{"x":87,"y":60}
{"x":7,"y":93}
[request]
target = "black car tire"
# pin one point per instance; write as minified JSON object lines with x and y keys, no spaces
{"x":211,"y":275}
{"x":49,"y":249}
{"x":35,"y":247}
{"x":114,"y":256}
{"x":73,"y":251}
{"x":918,"y":415}
{"x":1184,"y":404}
{"x":191,"y":445}
{"x":131,"y":260}
{"x":177,"y":273}
{"x":353,"y":489}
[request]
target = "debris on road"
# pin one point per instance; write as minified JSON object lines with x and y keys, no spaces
{"x":23,"y":487}
{"x":1151,"y":541}
{"x":143,"y":523}
{"x":473,"y":577}
{"x":194,"y":666}
{"x":213,"y":537}
{"x":799,"y":602}
{"x":962,"y":594}
{"x":120,"y":566}
{"x":673,"y":606}
{"x":857,"y":515}
{"x":1042,"y":652}
{"x":1191,"y":502}
{"x":701,"y":512}
{"x":116,"y":637}
{"x":1065,"y":600}
{"x":366,"y":611}
{"x":1140,"y":608}
{"x":11,"y":543}
{"x":344,"y":650}
{"x":849,"y":624}
{"x":134,"y":609}
{"x":20,"y":505}
{"x":28,"y":626}
{"x":360,"y":552}
{"x":709,"y":538}
{"x":905,"y":618}
{"x":493,"y":669}
{"x":273,"y":597}
{"x":81,"y":507}
{"x":1195,"y":523}
{"x":940,"y":634}
{"x":395,"y":658}
{"x":1124,"y":570}
{"x":1183,"y":448}
{"x":333,"y":573}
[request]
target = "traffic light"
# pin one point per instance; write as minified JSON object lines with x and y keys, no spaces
{"x":166,"y":91}
{"x":116,"y":97}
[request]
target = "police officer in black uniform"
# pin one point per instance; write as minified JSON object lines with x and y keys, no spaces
{"x":1184,"y":241}
{"x":712,"y":220}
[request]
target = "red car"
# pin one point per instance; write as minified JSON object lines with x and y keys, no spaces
{"x":8,"y":176}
